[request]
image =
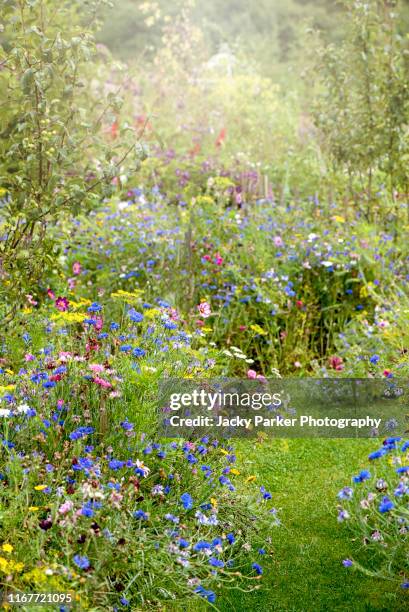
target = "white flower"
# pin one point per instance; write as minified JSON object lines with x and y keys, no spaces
{"x":23,"y":408}
{"x":5,"y":412}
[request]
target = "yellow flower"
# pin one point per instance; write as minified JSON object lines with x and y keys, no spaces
{"x":5,"y":388}
{"x":338,"y":219}
{"x":150,"y":313}
{"x":213,"y":501}
{"x":10,"y":566}
{"x":224,"y":452}
{"x":259,"y":330}
{"x":234,"y":471}
{"x":251,"y":478}
{"x":33,"y":508}
{"x":40,"y":487}
{"x":7,"y":548}
{"x":120,"y":294}
{"x":69,"y":317}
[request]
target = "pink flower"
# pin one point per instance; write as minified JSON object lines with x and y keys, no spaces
{"x":173,"y":314}
{"x":66,"y":507}
{"x":387,"y":373}
{"x":278,"y":241}
{"x":102,"y":382}
{"x":76,"y":268}
{"x":218,"y":259}
{"x":336,"y":363}
{"x":252,"y":374}
{"x":71,"y":283}
{"x":62,"y":303}
{"x":51,"y":294}
{"x":31,"y":300}
{"x":64,"y":356}
{"x":99,"y":323}
{"x":204,"y":309}
{"x":96,"y":367}
{"x":29,"y":357}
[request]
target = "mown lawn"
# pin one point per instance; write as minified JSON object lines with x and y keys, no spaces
{"x":305,"y":570}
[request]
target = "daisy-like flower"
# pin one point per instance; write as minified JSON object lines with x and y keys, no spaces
{"x":62,"y":304}
{"x":204,"y":309}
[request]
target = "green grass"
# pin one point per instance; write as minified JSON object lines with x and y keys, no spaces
{"x":305,"y":571}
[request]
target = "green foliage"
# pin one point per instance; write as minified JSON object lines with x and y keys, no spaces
{"x":54,"y":155}
{"x":363,"y":107}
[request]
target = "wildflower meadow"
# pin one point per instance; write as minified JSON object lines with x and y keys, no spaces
{"x":200,"y":191}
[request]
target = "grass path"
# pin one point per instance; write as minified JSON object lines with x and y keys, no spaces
{"x":307,"y":573}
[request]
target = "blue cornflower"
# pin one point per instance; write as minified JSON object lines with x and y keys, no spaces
{"x":374,"y":359}
{"x":362,"y":476}
{"x":386,"y":505}
{"x":377,"y":454}
{"x":82,"y":562}
{"x":138,"y":352}
{"x":135,"y":316}
{"x":95,"y":307}
{"x":140,"y":514}
{"x":116,"y":464}
{"x":215,"y":562}
{"x":187,"y":501}
{"x":201,"y":545}
{"x":258,"y":569}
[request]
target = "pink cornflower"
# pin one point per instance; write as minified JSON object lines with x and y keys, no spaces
{"x":105,"y":384}
{"x":29,"y":357}
{"x":204,"y":309}
{"x":76,"y":268}
{"x":96,"y":367}
{"x":252,"y":374}
{"x":62,"y":304}
{"x":278,"y":241}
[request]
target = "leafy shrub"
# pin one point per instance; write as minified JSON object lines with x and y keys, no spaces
{"x":54,"y":156}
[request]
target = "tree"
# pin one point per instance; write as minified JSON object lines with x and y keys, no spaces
{"x":54,"y":155}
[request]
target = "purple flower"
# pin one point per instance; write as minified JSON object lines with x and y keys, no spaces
{"x":258,"y":569}
{"x":347,"y":563}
